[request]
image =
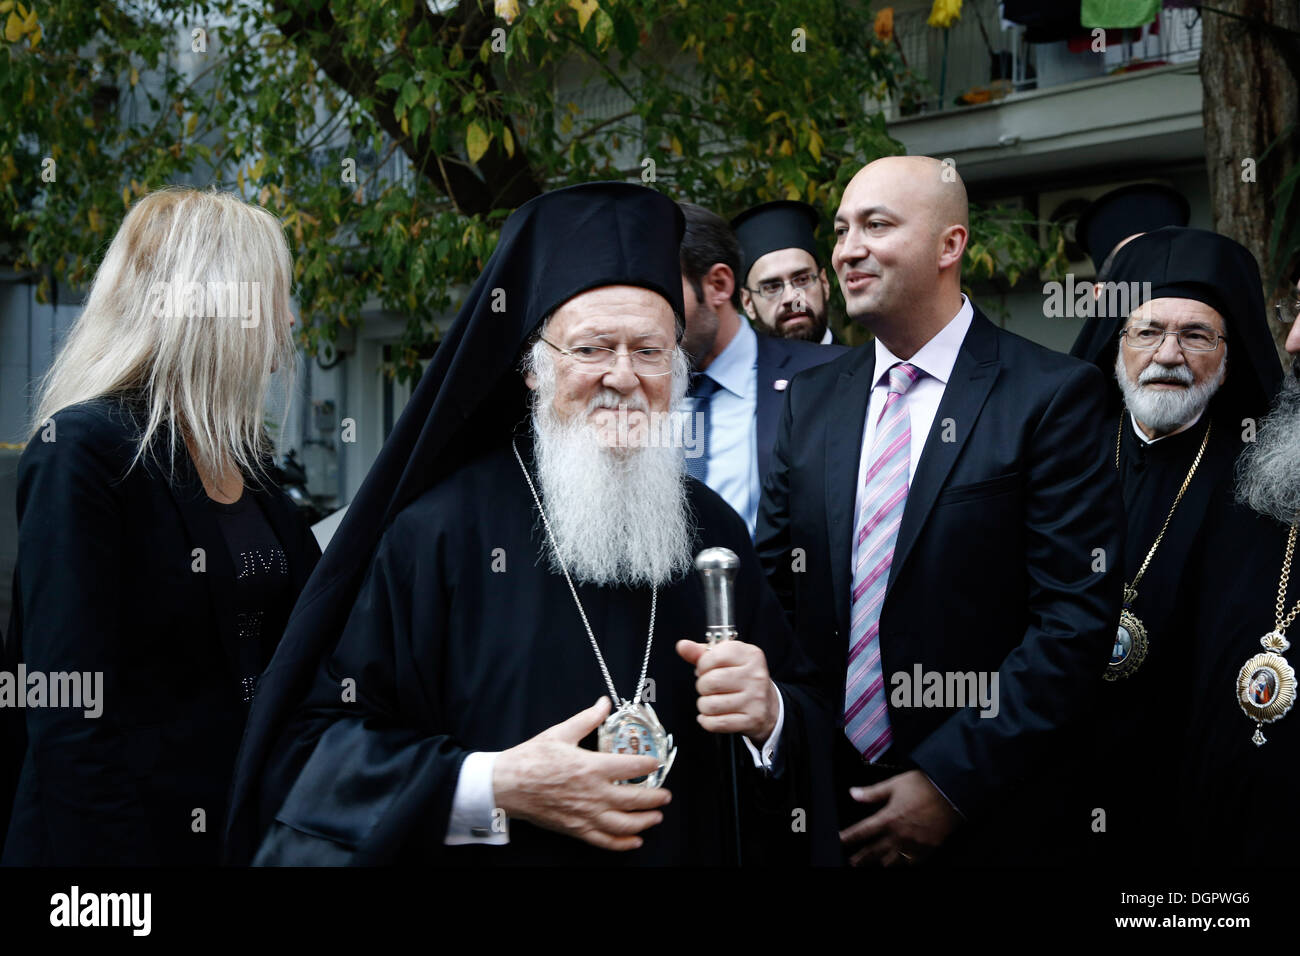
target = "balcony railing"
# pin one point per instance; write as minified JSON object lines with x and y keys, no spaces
{"x":973,"y":65}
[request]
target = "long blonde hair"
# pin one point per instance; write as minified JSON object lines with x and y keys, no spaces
{"x":163,"y":322}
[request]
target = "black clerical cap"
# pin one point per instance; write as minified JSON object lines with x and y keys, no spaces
{"x":471,"y":395}
{"x":784,"y":224}
{"x":1120,"y":213}
{"x":1195,"y":264}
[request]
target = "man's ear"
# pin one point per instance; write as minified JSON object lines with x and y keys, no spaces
{"x":747,"y":304}
{"x":721,"y":283}
{"x":530,"y":379}
{"x":953,"y":247}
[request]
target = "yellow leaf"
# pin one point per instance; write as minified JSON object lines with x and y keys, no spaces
{"x":406,"y":126}
{"x":508,"y":141}
{"x":786,"y":148}
{"x":14,"y":28}
{"x":507,"y":10}
{"x":191,"y":123}
{"x":239,"y":179}
{"x":94,"y":220}
{"x":6,"y":6}
{"x":791,"y":191}
{"x":135,"y":76}
{"x":677,"y":146}
{"x":259,"y":168}
{"x":585,"y":9}
{"x":126,"y":197}
{"x":476,"y":142}
{"x":815,"y":145}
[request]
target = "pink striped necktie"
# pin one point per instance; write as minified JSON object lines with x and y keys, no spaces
{"x":866,"y":711}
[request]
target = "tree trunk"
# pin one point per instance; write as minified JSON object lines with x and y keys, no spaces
{"x":1250,"y":75}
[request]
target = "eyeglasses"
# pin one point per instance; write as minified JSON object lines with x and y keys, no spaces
{"x":770,"y":288}
{"x":596,"y":359}
{"x":1193,"y":340}
{"x":1288,"y":310}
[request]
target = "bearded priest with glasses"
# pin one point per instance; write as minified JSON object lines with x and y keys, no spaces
{"x":500,"y":659}
{"x":1195,"y":368}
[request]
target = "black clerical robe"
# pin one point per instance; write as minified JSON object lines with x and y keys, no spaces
{"x":462,"y":639}
{"x":1236,"y":801}
{"x":1135,"y":767}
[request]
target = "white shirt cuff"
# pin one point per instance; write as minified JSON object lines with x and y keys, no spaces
{"x":764,"y":760}
{"x":475,"y":817}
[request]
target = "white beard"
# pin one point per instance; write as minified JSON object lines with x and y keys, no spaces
{"x":1166,"y":411}
{"x":1268,"y":471}
{"x":618,"y":516}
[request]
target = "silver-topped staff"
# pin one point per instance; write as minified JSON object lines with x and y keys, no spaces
{"x":717,"y":567}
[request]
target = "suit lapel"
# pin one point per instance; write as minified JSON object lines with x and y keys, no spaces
{"x":843,"y":452}
{"x":768,"y":410}
{"x":968,"y":387}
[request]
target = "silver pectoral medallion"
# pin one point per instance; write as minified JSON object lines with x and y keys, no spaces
{"x":1266,"y":685}
{"x":634,"y":730}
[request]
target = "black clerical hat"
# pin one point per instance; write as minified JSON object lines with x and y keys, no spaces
{"x":784,"y":224}
{"x":1202,"y":265}
{"x":1120,"y":213}
{"x":471,"y":395}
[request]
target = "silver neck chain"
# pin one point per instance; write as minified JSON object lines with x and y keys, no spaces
{"x":600,"y":658}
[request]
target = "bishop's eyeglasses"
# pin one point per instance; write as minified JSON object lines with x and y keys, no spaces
{"x":596,"y":359}
{"x":1192,"y":340}
{"x":770,"y":288}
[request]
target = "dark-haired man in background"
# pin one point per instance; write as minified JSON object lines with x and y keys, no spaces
{"x":739,"y":377}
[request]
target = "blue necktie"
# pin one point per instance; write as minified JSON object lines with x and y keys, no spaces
{"x":701,"y":390}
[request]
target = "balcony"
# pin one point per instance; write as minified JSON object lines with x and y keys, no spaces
{"x":1004,"y":108}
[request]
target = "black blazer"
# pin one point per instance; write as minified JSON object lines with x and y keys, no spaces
{"x":993,"y":568}
{"x":779,"y":360}
{"x":104,"y":582}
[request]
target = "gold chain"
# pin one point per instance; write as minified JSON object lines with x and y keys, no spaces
{"x":1282,"y":624}
{"x":1174,"y":507}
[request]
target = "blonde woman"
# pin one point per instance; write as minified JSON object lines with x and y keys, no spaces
{"x":156,"y":560}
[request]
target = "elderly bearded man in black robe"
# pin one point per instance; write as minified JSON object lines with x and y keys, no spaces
{"x":1182,"y":332}
{"x":522,"y":548}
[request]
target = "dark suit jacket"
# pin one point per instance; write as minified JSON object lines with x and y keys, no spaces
{"x":779,"y":360}
{"x":104,"y":582}
{"x":993,"y":570}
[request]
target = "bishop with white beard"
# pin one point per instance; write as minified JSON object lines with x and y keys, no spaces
{"x":540,"y":566}
{"x":1194,"y":365}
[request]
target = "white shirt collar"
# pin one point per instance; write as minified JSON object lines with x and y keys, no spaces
{"x":937,"y":356}
{"x":1137,"y":429}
